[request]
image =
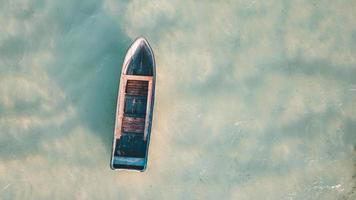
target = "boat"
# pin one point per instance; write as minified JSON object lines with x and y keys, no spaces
{"x":134,"y":110}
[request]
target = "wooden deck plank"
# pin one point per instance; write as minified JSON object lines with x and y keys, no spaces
{"x":137,"y":87}
{"x":132,"y":124}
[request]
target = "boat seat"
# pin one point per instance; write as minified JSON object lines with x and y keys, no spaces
{"x":133,"y":124}
{"x":137,"y":87}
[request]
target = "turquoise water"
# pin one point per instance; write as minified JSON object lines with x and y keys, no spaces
{"x":254,"y":100}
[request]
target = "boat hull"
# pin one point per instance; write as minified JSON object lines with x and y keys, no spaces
{"x":134,"y":111}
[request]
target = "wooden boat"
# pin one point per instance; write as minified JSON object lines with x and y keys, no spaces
{"x":134,"y":108}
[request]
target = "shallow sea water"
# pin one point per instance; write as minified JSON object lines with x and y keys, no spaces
{"x":254,"y":100}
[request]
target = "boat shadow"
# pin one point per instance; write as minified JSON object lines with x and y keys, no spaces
{"x":91,"y":82}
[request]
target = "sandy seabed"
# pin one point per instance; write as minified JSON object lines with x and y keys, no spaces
{"x":254,"y":100}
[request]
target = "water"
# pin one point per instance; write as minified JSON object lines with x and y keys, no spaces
{"x":253,"y":100}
